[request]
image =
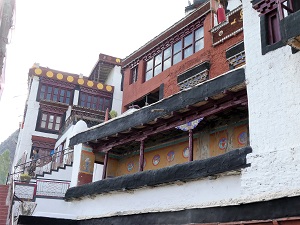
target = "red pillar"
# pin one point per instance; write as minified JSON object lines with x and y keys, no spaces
{"x":190,"y":145}
{"x":142,"y":150}
{"x":105,"y":166}
{"x":106,"y":115}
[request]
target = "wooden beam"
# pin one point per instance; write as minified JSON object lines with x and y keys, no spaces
{"x":142,"y":151}
{"x":105,"y":166}
{"x":191,"y":147}
{"x":176,"y":122}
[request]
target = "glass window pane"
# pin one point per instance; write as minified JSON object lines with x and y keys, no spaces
{"x":149,"y":65}
{"x":107,"y":103}
{"x":61,"y":99}
{"x":50,"y":125}
{"x":49,"y":89}
{"x":167,"y":64}
{"x":43,"y":89}
{"x":157,"y":70}
{"x":82,"y":96}
{"x":44,"y":117}
{"x":88,"y":104}
{"x":55,"y":90}
{"x":188,"y":51}
{"x":56,"y":126}
{"x":177,"y":47}
{"x":148,"y":75}
{"x":188,"y":40}
{"x":199,"y":33}
{"x":89,"y":98}
{"x":68,"y":93}
{"x":68,"y":101}
{"x":94,"y":100}
{"x":51,"y":118}
{"x":177,"y":58}
{"x":43,"y":124}
{"x":58,"y":119}
{"x":42,"y":94}
{"x":158,"y":59}
{"x":62,"y":92}
{"x":101,"y":103}
{"x":167,"y":53}
{"x":199,"y":45}
{"x":134,"y":74}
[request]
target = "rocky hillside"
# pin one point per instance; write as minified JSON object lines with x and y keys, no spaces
{"x":10,"y":144}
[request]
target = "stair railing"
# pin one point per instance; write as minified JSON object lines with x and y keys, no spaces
{"x":58,"y":159}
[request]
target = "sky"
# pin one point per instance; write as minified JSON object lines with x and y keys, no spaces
{"x":68,"y":35}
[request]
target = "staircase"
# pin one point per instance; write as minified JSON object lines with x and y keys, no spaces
{"x":58,"y":161}
{"x":50,"y":180}
{"x":49,"y":168}
{"x":4,"y":204}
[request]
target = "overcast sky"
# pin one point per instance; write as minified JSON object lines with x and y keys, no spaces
{"x":68,"y":35}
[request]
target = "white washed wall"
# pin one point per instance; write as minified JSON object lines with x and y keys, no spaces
{"x":274,"y":108}
{"x":25,"y":142}
{"x":24,"y":139}
{"x":56,"y":208}
{"x":114,"y":79}
{"x":196,"y":194}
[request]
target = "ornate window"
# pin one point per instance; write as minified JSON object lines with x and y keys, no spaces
{"x":271,"y":12}
{"x":183,"y":48}
{"x":56,"y":94}
{"x":50,"y":121}
{"x":273,"y":29}
{"x":94,"y":102}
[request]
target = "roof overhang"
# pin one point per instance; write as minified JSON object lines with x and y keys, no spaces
{"x":103,"y":67}
{"x":38,"y":220}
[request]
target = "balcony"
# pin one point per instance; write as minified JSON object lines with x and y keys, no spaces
{"x":290,"y":30}
{"x":90,"y":116}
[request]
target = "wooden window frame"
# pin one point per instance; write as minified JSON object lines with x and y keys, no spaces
{"x":151,"y":69}
{"x":273,"y":28}
{"x":100,"y":102}
{"x":47,"y":121}
{"x":267,"y":44}
{"x":61,"y":96}
{"x":166,"y":58}
{"x":133,"y":74}
{"x":198,"y":40}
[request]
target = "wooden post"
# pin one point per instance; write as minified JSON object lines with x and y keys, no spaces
{"x":190,"y":145}
{"x":106,"y":115}
{"x":142,"y":150}
{"x":105,"y":166}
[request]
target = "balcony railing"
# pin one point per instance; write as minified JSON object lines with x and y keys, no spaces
{"x":90,"y":116}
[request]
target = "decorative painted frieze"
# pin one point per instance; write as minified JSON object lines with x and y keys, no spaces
{"x":194,"y":80}
{"x":230,"y":27}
